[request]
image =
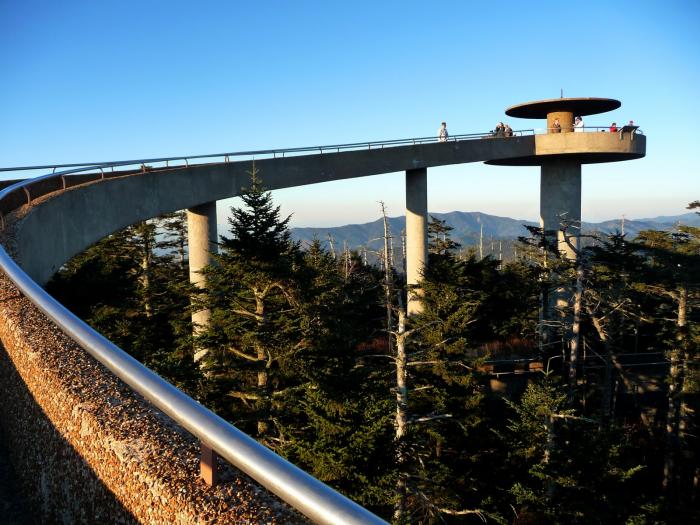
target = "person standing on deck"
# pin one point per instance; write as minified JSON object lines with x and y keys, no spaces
{"x":442,"y":133}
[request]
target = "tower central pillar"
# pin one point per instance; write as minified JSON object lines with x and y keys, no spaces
{"x":416,"y":234}
{"x":560,"y":218}
{"x":560,"y":204}
{"x":566,"y":121}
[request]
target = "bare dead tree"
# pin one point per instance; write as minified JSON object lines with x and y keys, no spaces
{"x":346,"y":259}
{"x":481,"y":239}
{"x":676,"y":386}
{"x":331,"y":243}
{"x":388,"y":281}
{"x":403,"y":250}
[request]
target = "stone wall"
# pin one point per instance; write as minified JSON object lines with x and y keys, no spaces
{"x":90,"y":450}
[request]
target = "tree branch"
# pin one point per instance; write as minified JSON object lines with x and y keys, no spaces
{"x":425,"y":419}
{"x":245,"y":396}
{"x":464,"y":512}
{"x":243,"y":355}
{"x":418,"y":363}
{"x":246,"y":313}
{"x":579,"y":418}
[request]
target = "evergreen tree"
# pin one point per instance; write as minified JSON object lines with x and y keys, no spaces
{"x":255,"y":332}
{"x":674,"y":276}
{"x":442,"y":394}
{"x":564,"y":469}
{"x":174,"y":228}
{"x":613,"y":307}
{"x":342,"y":419}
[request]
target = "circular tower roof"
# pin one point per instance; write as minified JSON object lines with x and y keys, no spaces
{"x":577,"y":106}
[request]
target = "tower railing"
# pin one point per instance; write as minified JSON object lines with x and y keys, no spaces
{"x":588,"y":129}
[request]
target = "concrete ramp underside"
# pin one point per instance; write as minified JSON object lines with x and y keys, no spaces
{"x":62,"y":224}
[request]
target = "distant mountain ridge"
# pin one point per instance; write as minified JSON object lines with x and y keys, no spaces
{"x":467,"y":227}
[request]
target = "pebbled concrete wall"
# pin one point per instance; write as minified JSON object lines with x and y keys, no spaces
{"x":89,"y":450}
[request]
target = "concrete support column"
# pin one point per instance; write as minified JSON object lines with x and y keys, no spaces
{"x":416,"y":233}
{"x":560,"y":217}
{"x":560,"y":203}
{"x":202,"y":238}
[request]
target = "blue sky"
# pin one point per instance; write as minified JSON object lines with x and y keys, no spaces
{"x":108,"y":80}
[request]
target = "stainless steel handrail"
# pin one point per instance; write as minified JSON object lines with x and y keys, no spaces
{"x":588,"y":129}
{"x":274,"y":152}
{"x":302,"y":491}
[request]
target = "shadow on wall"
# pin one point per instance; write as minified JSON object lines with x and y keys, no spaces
{"x":53,"y":479}
{"x":14,"y":507}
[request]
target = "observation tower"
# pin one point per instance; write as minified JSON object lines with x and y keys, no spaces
{"x":561,"y":151}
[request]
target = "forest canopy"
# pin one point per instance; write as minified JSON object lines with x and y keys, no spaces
{"x":541,"y":390}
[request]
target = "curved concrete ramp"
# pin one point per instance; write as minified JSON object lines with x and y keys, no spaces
{"x":62,"y":224}
{"x":97,"y":448}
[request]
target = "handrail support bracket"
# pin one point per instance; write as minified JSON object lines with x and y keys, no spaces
{"x":208,"y":468}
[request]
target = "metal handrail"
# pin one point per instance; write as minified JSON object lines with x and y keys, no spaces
{"x":636,"y":131}
{"x":332,"y":148}
{"x":301,"y":490}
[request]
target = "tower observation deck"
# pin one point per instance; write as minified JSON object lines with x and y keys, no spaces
{"x":562,"y":150}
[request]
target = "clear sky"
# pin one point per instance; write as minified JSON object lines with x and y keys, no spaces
{"x":109,"y":80}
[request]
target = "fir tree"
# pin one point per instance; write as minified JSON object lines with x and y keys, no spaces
{"x":674,"y":276}
{"x":342,"y":419}
{"x":442,"y":394}
{"x":564,"y":469}
{"x":255,"y":331}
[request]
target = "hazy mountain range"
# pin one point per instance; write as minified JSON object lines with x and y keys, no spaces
{"x":467,"y":226}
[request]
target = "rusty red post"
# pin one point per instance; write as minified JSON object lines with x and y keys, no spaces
{"x":208,"y":470}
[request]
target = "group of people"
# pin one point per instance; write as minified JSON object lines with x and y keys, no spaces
{"x":630,"y":126}
{"x":578,"y":125}
{"x":504,"y":130}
